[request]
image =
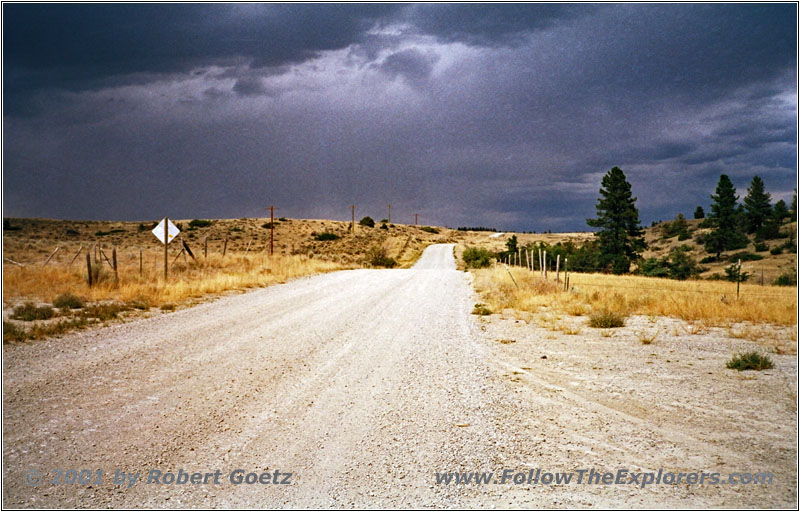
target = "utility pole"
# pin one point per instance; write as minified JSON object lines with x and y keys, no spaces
{"x":389,"y":218}
{"x":353,"y":222}
{"x":416,"y":218}
{"x":271,"y":228}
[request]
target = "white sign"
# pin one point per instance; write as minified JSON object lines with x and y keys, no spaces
{"x":172,"y":230}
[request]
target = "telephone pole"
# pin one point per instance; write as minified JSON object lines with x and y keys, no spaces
{"x":389,"y":218}
{"x":353,"y":222}
{"x":416,"y":218}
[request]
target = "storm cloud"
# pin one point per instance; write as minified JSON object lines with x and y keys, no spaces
{"x":500,"y":115}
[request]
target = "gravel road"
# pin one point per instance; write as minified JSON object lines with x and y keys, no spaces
{"x":362,"y":384}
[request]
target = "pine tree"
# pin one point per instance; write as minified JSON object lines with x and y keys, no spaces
{"x":780,"y":212}
{"x":620,"y":236}
{"x":699,"y":213}
{"x":757,"y":205}
{"x":725,"y":219}
{"x":793,"y":207}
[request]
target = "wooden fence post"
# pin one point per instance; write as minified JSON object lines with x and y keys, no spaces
{"x":141,"y":264}
{"x":114,"y":260}
{"x":75,"y":257}
{"x":51,"y":255}
{"x":205,"y":248}
{"x":566,"y":274}
{"x":225,"y":247}
{"x":558,"y":263}
{"x":89,"y":267}
{"x":545,"y":264}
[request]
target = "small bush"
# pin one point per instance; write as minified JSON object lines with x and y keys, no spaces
{"x":384,"y":226}
{"x":733,"y":272}
{"x":104,"y":311}
{"x":776,"y":250}
{"x":750,"y":361}
{"x":378,"y":257}
{"x":481,"y":310}
{"x":30,"y":312}
{"x":790,"y":246}
{"x":367,"y":221}
{"x":267,"y":225}
{"x":110,"y":232}
{"x":167,"y":307}
{"x":13,"y":332}
{"x":786,"y":279}
{"x":199,"y":223}
{"x":606,"y":320}
{"x":71,"y":232}
{"x":429,"y":229}
{"x":68,"y":301}
{"x":761,"y":247}
{"x":8,"y":227}
{"x":324,"y":237}
{"x":234,"y":229}
{"x":709,"y":259}
{"x":476,"y":257}
{"x":282,"y":219}
{"x":744,"y":256}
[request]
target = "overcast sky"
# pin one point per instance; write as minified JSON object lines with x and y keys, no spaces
{"x":493,"y":115}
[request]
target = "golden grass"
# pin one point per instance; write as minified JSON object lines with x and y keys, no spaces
{"x":186,"y":280}
{"x":705,"y":303}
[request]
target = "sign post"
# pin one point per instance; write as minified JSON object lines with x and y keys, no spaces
{"x":165,"y":232}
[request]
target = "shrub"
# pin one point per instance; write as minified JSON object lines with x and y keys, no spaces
{"x":267,"y":225}
{"x":199,"y":223}
{"x":761,"y":247}
{"x":709,"y":259}
{"x":378,"y":257}
{"x":68,"y":301}
{"x":744,"y":256}
{"x":367,"y":221}
{"x":110,"y":232}
{"x":790,"y":246}
{"x":8,"y":227}
{"x":167,"y":307}
{"x":476,"y":257}
{"x":481,"y":310}
{"x":324,"y":237}
{"x":776,"y":250}
{"x":606,"y":320}
{"x":282,"y":219}
{"x":429,"y":229}
{"x":384,"y":226}
{"x":731,"y":272}
{"x":786,"y":279}
{"x":104,"y":311}
{"x":71,"y":232}
{"x":684,"y":235}
{"x":750,"y":361}
{"x":30,"y":311}
{"x":13,"y":332}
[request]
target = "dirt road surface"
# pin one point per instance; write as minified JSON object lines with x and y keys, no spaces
{"x":362,"y":384}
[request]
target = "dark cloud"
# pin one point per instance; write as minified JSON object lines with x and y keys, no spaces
{"x":412,"y":64}
{"x":514,"y":113}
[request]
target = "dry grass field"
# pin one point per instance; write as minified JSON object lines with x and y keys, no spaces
{"x":701,"y":304}
{"x":139,"y":284}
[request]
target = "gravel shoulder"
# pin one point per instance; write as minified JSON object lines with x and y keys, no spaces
{"x":365,"y":383}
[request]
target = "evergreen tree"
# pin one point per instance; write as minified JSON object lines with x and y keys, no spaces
{"x":725,"y":219}
{"x":699,"y":213}
{"x":620,"y":236}
{"x":757,"y":205}
{"x":780,"y":212}
{"x":511,"y":245}
{"x":793,"y":207}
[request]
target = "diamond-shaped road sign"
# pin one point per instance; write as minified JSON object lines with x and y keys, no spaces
{"x":172,"y":230}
